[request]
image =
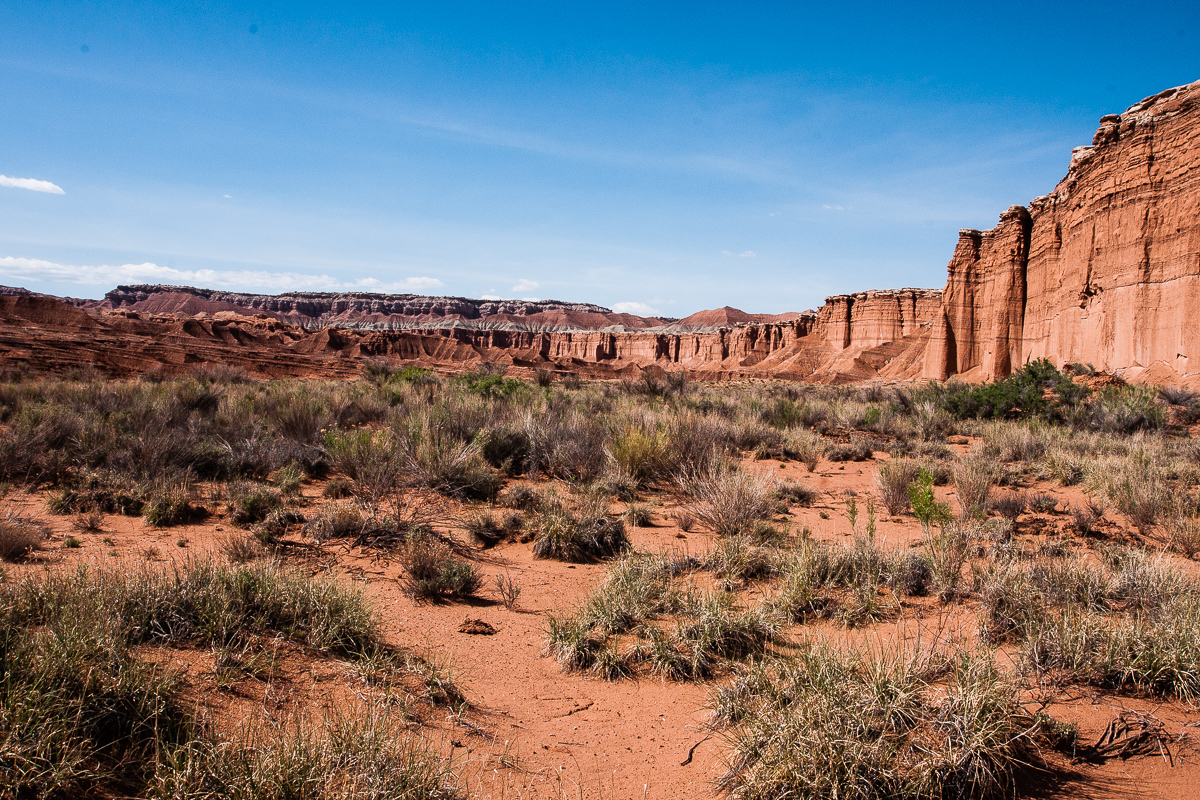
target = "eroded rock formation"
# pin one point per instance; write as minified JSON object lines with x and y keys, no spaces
{"x":1103,"y":270}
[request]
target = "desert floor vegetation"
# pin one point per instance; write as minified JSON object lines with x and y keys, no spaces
{"x":422,"y":585}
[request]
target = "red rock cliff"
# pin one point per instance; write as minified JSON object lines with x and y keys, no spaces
{"x":1103,"y":270}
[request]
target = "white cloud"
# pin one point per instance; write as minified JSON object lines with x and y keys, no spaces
{"x":747,"y":254}
{"x":726,"y":252}
{"x":828,"y":207}
{"x":631,"y":307}
{"x":531,"y":299}
{"x":525,"y":285}
{"x":32,"y":184}
{"x":490,"y":297}
{"x":227,"y":196}
{"x":18,"y":270}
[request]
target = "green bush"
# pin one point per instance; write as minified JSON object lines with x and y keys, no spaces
{"x":1038,"y":389}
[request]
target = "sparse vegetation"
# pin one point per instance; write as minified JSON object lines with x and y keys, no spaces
{"x":418,"y":471}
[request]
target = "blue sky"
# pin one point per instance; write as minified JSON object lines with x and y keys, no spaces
{"x":644,"y":156}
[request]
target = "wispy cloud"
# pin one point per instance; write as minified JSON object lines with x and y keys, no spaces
{"x":747,"y":254}
{"x":17,"y":270}
{"x":526,"y":285}
{"x":632,"y":307}
{"x":32,"y":184}
{"x":490,"y":297}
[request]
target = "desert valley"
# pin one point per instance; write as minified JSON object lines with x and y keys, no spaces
{"x":919,"y":543}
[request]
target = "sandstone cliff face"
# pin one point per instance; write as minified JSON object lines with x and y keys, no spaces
{"x":1104,"y":270}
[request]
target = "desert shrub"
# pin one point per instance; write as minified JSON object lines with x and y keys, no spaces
{"x":684,"y":518}
{"x":437,"y":461}
{"x":577,"y":534}
{"x":509,"y":590}
{"x":893,"y":479}
{"x":336,"y":489}
{"x":731,"y":501}
{"x":1177,"y":395}
{"x":1038,"y":389}
{"x":947,"y":555}
{"x":432,"y":572}
{"x":834,"y":723}
{"x":794,"y":493}
{"x":1010,"y":505}
{"x":490,"y":385}
{"x":20,"y":536}
{"x":925,"y":506}
{"x":370,"y":460}
{"x":251,"y":502}
{"x":565,"y":443}
{"x":1122,"y":409}
{"x":639,"y":454}
{"x":168,"y":502}
{"x":505,"y":448}
{"x":1085,"y":519}
{"x":858,"y":449}
{"x":784,"y":413}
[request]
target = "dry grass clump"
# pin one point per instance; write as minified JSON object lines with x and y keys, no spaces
{"x":90,"y":719}
{"x":242,"y":548}
{"x":1157,"y":653}
{"x":169,"y":502}
{"x":613,"y":634}
{"x":1137,"y":487}
{"x":433,"y":572}
{"x":638,"y":514}
{"x":369,"y":755}
{"x":973,"y":481}
{"x":834,"y":723}
{"x":893,"y":479}
{"x":20,"y":536}
{"x":578,"y":534}
{"x":732,"y":501}
{"x":1184,"y":535}
{"x":90,"y":521}
{"x":488,"y":527}
{"x":336,"y":521}
{"x":252,"y":502}
{"x":805,"y":446}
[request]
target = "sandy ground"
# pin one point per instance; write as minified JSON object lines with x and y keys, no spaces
{"x":537,"y":732}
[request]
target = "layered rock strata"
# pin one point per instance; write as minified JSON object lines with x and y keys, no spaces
{"x":1103,"y":270}
{"x":42,"y":334}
